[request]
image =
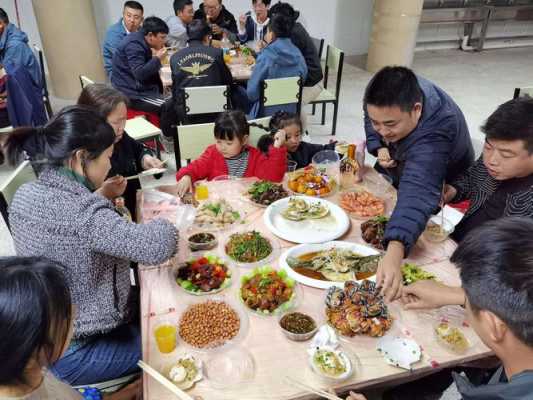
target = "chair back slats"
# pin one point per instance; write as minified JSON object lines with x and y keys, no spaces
{"x":319,"y":45}
{"x":23,"y":174}
{"x":523,"y":92}
{"x":193,"y":140}
{"x":85,"y":81}
{"x":282,"y":91}
{"x":206,"y":99}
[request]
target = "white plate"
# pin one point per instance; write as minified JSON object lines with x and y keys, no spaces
{"x":308,"y":248}
{"x":308,"y":231}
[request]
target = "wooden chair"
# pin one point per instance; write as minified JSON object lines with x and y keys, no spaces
{"x":523,"y":92}
{"x":23,"y":174}
{"x":334,"y":63}
{"x":201,"y":100}
{"x":255,"y":132}
{"x":282,"y":91}
{"x":46,"y":96}
{"x":85,"y":81}
{"x":191,"y":141}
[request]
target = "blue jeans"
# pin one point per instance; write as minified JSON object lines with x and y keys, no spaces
{"x":102,"y":358}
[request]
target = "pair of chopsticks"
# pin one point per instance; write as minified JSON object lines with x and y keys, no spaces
{"x":318,"y":392}
{"x":180,"y":394}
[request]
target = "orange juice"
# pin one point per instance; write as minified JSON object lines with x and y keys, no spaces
{"x":165,"y":337}
{"x":202,"y":192}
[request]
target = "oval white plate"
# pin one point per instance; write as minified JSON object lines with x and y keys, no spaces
{"x":308,"y":231}
{"x":308,"y":248}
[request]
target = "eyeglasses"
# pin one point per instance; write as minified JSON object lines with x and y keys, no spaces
{"x":211,"y":8}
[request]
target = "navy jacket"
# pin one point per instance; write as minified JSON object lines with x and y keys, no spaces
{"x":280,"y":59}
{"x":438,"y":149}
{"x":14,"y":50}
{"x":114,"y":35}
{"x":24,"y":98}
{"x":135,"y":70}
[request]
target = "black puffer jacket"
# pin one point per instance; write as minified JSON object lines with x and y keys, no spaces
{"x":225,"y":20}
{"x":303,"y":41}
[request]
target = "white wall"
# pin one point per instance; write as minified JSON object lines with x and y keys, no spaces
{"x":353,"y":25}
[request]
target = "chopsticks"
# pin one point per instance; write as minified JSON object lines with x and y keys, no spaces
{"x":318,"y":392}
{"x":180,"y":394}
{"x":147,"y":172}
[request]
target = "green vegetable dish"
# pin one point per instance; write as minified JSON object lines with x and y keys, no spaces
{"x":248,"y":247}
{"x":413,"y":273}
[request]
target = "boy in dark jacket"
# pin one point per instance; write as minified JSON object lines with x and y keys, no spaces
{"x":218,"y":18}
{"x":496,"y":267}
{"x":136,"y":65}
{"x":197,"y":65}
{"x":421,"y":139}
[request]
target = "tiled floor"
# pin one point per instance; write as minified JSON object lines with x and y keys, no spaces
{"x":478,"y":82}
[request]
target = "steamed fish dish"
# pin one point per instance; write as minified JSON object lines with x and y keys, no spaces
{"x":336,"y":265}
{"x":300,"y":209}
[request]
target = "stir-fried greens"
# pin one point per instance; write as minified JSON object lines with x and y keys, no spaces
{"x":248,"y":247}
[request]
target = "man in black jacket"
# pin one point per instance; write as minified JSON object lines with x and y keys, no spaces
{"x":218,"y":18}
{"x":197,"y":65}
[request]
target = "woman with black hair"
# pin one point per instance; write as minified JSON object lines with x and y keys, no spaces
{"x":36,"y":320}
{"x":61,"y":216}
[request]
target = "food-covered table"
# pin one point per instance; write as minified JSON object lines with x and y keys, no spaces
{"x":274,"y":356}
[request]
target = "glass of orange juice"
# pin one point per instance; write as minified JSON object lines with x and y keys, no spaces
{"x":165,"y":336}
{"x":201,"y":191}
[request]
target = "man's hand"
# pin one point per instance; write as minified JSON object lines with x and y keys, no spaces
{"x":449,"y":194}
{"x":184,"y":186}
{"x":355,"y":396}
{"x":150,"y":162}
{"x":113,"y":187}
{"x":131,"y":392}
{"x":242,"y":21}
{"x":217,"y":30}
{"x":430,"y":294}
{"x":384,"y":158}
{"x":161,"y":53}
{"x":280,"y":138}
{"x":389,"y":274}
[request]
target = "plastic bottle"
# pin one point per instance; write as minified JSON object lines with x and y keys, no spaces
{"x":120,"y":206}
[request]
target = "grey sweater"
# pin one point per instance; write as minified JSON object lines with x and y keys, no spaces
{"x":61,"y":219}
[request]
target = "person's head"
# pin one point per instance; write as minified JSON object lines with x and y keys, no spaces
{"x":133,"y":15}
{"x":292,"y":125}
{"x":199,"y":30}
{"x":231,"y":133}
{"x":212,"y":8}
{"x":4,"y":21}
{"x":110,"y":104}
{"x":35,"y":315}
{"x":496,"y":267}
{"x":184,"y":10}
{"x":76,"y":138}
{"x":261,"y":9}
{"x":508,"y":150}
{"x":394,"y":101}
{"x":285,"y":9}
{"x":280,"y":26}
{"x":155,"y":32}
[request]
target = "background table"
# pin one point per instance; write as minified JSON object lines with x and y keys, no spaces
{"x":274,"y":355}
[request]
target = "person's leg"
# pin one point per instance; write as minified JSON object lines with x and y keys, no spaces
{"x":148,"y":104}
{"x":106,"y":358}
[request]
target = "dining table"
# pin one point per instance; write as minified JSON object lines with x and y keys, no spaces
{"x":274,"y":361}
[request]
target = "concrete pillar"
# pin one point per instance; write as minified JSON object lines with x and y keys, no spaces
{"x":394,"y":30}
{"x":70,"y":44}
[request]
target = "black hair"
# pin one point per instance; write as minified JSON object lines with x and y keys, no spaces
{"x":154,"y":25}
{"x":179,"y":5}
{"x":35,"y":314}
{"x":282,"y":25}
{"x":103,"y":98}
{"x":3,"y":16}
{"x":73,"y":128}
{"x":135,"y":5}
{"x":198,"y":29}
{"x":496,"y":267}
{"x":231,"y":124}
{"x":279,"y":120}
{"x":284,"y":9}
{"x":394,"y":86}
{"x":265,"y":2}
{"x":512,"y":120}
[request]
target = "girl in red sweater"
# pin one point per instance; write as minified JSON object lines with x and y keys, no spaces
{"x":231,"y":155}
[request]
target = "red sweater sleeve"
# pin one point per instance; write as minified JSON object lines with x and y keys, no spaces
{"x":199,"y":168}
{"x":271,"y":167}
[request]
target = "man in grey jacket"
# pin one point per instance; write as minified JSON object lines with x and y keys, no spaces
{"x":177,"y":24}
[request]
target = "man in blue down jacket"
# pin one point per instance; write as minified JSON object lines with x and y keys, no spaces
{"x":421,"y":139}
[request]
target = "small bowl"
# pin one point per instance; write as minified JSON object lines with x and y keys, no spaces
{"x":438,"y":237}
{"x":457,"y":348}
{"x":298,"y":337}
{"x":208,"y":245}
